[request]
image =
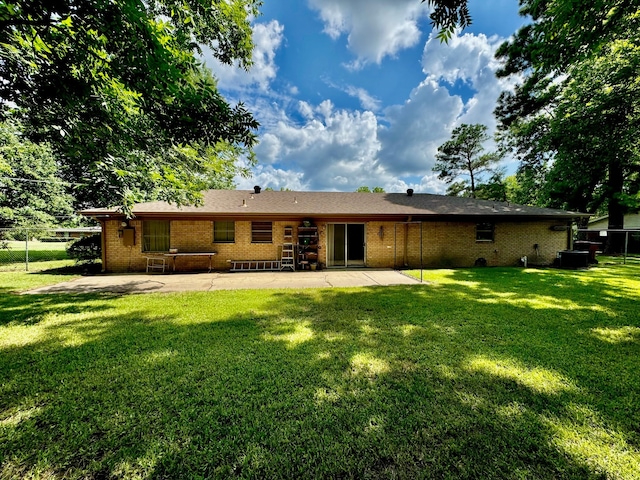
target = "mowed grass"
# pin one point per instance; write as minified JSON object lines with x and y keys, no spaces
{"x":478,"y":373}
{"x":42,"y":255}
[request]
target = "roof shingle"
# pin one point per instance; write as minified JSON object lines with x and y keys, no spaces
{"x":335,"y":204}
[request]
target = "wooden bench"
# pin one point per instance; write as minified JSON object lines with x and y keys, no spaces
{"x":254,"y":265}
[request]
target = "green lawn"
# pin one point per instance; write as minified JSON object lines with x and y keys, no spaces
{"x":13,"y":255}
{"x":478,"y":373}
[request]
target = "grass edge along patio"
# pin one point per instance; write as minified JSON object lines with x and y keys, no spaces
{"x":332,"y":229}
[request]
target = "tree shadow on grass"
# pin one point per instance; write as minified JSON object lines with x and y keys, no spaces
{"x":30,"y":310}
{"x":404,"y":382}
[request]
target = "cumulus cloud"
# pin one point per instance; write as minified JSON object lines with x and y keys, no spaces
{"x":331,"y":149}
{"x":267,"y":39}
{"x":470,"y":59}
{"x":327,"y":148}
{"x":416,"y":128}
{"x":465,"y":57}
{"x":271,"y":177}
{"x":374,"y":28}
{"x":414,"y":131}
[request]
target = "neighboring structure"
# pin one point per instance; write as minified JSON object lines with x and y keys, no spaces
{"x":631,"y":222}
{"x":77,"y":232}
{"x":597,"y":231}
{"x":334,"y":229}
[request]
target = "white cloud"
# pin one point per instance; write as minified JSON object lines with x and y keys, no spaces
{"x":367,"y":101}
{"x":305,"y":110}
{"x":268,"y":150}
{"x":325,"y":109}
{"x":374,"y":28}
{"x":328,"y":148}
{"x":331,"y":150}
{"x":470,"y":59}
{"x":465,"y":57}
{"x":267,"y":39}
{"x":276,"y":178}
{"x":430,"y":183}
{"x":417,"y":128}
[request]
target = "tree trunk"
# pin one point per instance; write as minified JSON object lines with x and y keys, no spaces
{"x":616,"y":210}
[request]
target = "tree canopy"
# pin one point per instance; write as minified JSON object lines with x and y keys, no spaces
{"x":117,"y":90}
{"x":464,"y":156}
{"x":573,"y":121}
{"x":31,"y":192}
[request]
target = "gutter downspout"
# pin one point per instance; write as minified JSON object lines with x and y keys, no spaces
{"x":103,"y":242}
{"x":406,"y":243}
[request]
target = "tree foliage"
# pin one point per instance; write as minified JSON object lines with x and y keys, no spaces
{"x":464,"y":156}
{"x":573,"y":120}
{"x":495,"y":188}
{"x":31,"y":191}
{"x":117,"y":90}
{"x":448,"y":15}
{"x":366,"y":189}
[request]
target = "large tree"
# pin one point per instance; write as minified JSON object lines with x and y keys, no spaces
{"x":32,"y":194}
{"x":117,"y":90}
{"x":464,"y":156}
{"x":574,"y":118}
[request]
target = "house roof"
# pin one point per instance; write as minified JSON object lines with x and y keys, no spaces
{"x":245,"y":203}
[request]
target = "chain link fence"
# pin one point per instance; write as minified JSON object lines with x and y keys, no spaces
{"x":31,"y":249}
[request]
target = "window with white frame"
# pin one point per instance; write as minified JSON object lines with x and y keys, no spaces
{"x":156,"y":235}
{"x":224,"y":231}
{"x":485,"y":232}
{"x":261,"y":232}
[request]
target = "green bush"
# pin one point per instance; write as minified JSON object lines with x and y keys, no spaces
{"x":87,"y":249}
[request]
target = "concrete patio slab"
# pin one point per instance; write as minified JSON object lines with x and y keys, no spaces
{"x":144,"y":283}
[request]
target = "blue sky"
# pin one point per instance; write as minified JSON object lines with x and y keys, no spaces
{"x":353,"y":92}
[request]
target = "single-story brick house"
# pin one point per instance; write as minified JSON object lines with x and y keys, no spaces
{"x":331,"y":229}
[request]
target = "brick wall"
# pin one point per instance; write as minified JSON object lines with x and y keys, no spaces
{"x":454,"y":244}
{"x":190,"y":236}
{"x":387,"y":244}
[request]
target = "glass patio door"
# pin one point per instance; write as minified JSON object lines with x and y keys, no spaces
{"x":345,"y":244}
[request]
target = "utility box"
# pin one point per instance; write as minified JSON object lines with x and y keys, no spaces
{"x":574,"y":259}
{"x":129,"y":236}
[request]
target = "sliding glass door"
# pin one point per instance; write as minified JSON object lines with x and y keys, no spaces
{"x":345,"y":244}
